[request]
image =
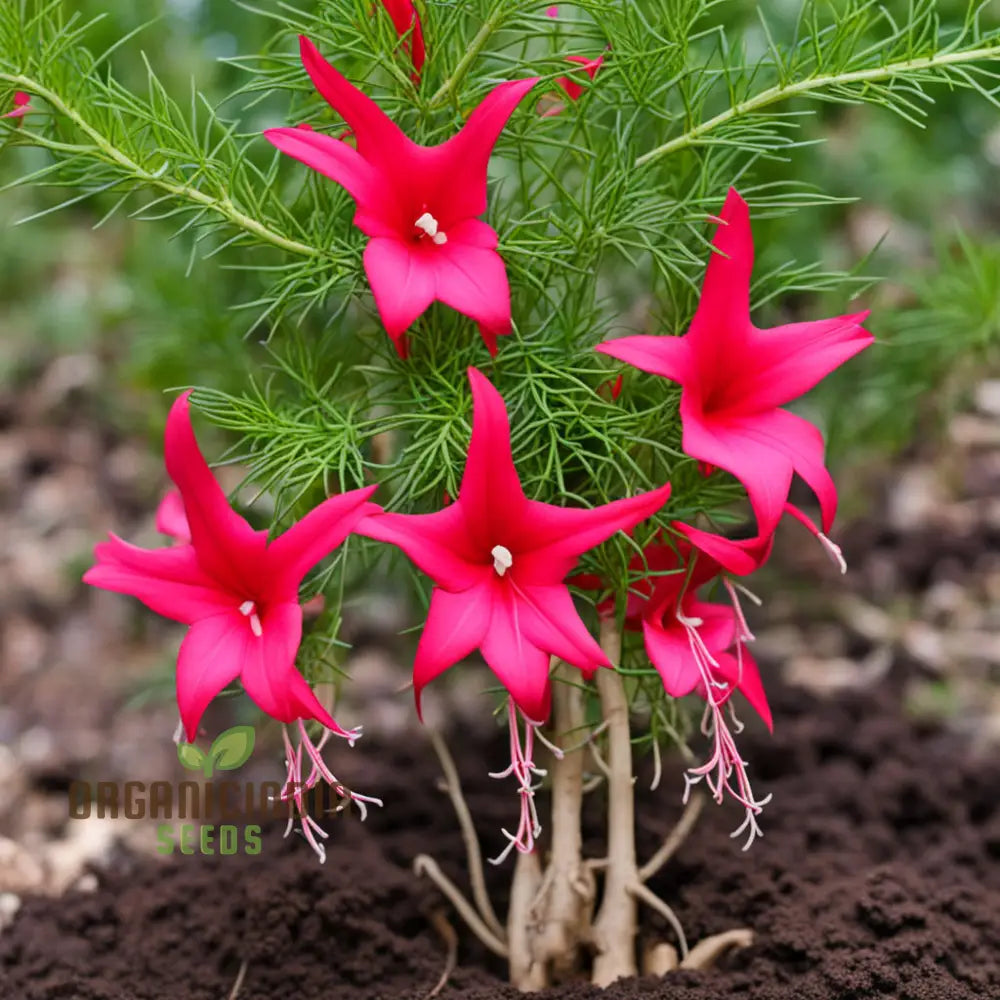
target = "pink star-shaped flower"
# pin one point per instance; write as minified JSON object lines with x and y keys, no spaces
{"x":406,"y":21}
{"x":22,"y":105}
{"x":499,"y":561}
{"x":736,"y":377}
{"x":236,"y":590}
{"x":678,"y":628}
{"x":573,"y":89}
{"x":419,"y":204}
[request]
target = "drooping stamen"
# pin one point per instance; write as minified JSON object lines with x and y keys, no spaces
{"x":296,"y":786}
{"x":725,"y":761}
{"x":522,"y":766}
{"x":249,"y":609}
{"x":831,"y":548}
{"x":834,"y":551}
{"x":743,"y":634}
{"x":429,"y":225}
{"x":502,"y":559}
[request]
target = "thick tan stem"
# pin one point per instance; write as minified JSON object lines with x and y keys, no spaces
{"x":614,"y":930}
{"x":565,"y":904}
{"x":526,"y":973}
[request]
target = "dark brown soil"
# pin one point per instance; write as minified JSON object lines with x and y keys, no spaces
{"x":878,"y":877}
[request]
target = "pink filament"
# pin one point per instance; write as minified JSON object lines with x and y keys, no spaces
{"x":522,"y":766}
{"x":725,"y":765}
{"x":296,"y":786}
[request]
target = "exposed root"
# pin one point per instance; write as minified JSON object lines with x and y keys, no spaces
{"x":659,"y":959}
{"x":654,"y":902}
{"x":708,"y":951}
{"x":440,"y":923}
{"x":424,"y":864}
{"x":238,"y":985}
{"x":472,"y":850}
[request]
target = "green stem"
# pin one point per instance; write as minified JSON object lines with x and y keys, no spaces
{"x":475,"y":47}
{"x":221,"y":206}
{"x":781,"y":92}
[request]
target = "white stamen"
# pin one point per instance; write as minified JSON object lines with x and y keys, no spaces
{"x":502,"y":559}
{"x":429,"y":225}
{"x":833,"y":551}
{"x":249,"y":610}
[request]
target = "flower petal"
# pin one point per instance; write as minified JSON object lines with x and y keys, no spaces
{"x":456,"y":624}
{"x":787,"y":361}
{"x":345,"y":166}
{"x":723,"y":313}
{"x":764,"y":469}
{"x":228,"y":548}
{"x":170,"y":581}
{"x":439,"y":544}
{"x":745,"y":675}
{"x":473,"y":232}
{"x":520,"y":666}
{"x":553,"y":538}
{"x":405,"y":19}
{"x":460,"y":163}
{"x":741,"y":557}
{"x":171,"y":519}
{"x":574,"y":89}
{"x":670,"y":653}
{"x":490,"y":496}
{"x":718,"y":624}
{"x":269,"y":674}
{"x":550,"y":621}
{"x":473,"y":281}
{"x":211,"y":656}
{"x":379,"y":138}
{"x":666,"y":356}
{"x":403,"y":283}
{"x":292,"y":554}
{"x":803,"y":446}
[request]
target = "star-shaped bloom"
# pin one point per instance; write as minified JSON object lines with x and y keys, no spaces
{"x":698,"y":646}
{"x":236,"y":590}
{"x":573,"y":88}
{"x":688,"y":640}
{"x":499,"y":561}
{"x":550,"y":105}
{"x":22,"y":105}
{"x":419,"y":204}
{"x":406,"y":21}
{"x":736,"y":377}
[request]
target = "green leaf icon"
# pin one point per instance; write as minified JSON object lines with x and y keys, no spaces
{"x":190,"y":756}
{"x":232,"y":748}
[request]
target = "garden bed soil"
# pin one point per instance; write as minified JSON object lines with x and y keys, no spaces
{"x":878,"y":877}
